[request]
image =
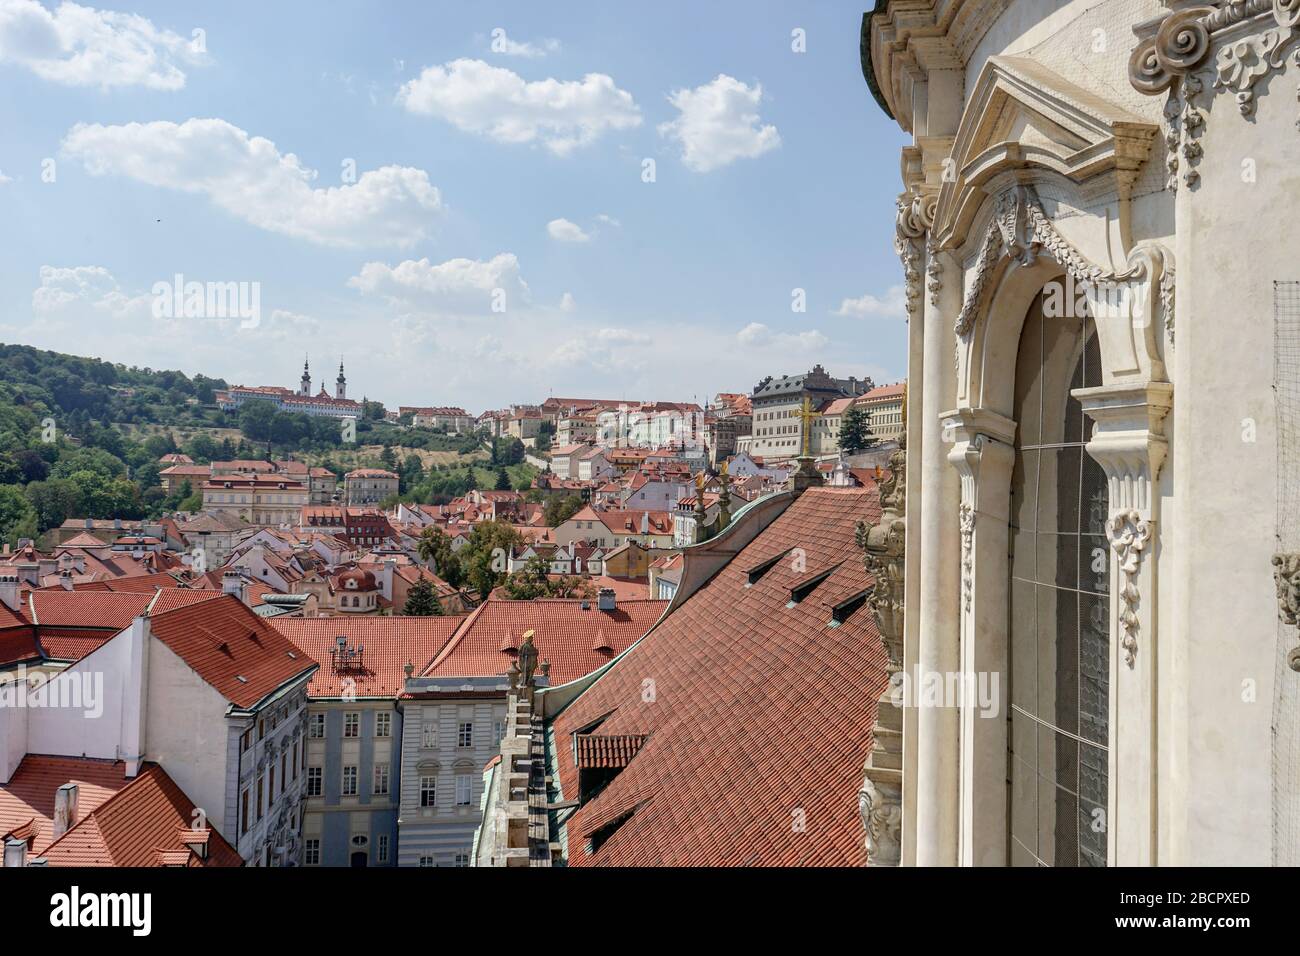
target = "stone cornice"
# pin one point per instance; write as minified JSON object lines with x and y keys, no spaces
{"x":909,"y":38}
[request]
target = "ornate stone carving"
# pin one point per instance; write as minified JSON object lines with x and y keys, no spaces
{"x":1128,"y":533}
{"x":1286,"y":575}
{"x":1182,"y":44}
{"x":883,"y":546}
{"x":1243,"y":62}
{"x":914,"y":217}
{"x":1021,"y":230}
{"x":967,"y":522}
{"x":933,"y":273}
{"x":882,"y":819}
{"x":1168,"y":288}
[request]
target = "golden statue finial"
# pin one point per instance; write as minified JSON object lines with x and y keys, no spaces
{"x":806,"y":416}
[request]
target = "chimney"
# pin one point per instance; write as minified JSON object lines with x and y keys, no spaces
{"x":645,"y":522}
{"x":15,"y":852}
{"x":232,"y":583}
{"x":65,"y":809}
{"x":605,"y":600}
{"x":90,"y":524}
{"x":117,"y":523}
{"x":9,"y":590}
{"x":65,"y":579}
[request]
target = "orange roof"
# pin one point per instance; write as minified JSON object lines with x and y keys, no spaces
{"x":238,"y":653}
{"x":741,"y":682}
{"x":94,"y":609}
{"x":884,"y":391}
{"x":564,"y":634}
{"x":388,"y":642}
{"x":27,"y":800}
{"x":148,"y":822}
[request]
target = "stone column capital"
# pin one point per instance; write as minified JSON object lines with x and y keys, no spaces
{"x":1128,"y":440}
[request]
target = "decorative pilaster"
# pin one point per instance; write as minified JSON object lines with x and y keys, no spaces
{"x":983,"y":454}
{"x":1129,"y":444}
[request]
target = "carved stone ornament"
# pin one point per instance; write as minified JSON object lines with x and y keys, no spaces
{"x":914,"y":218}
{"x":882,"y":819}
{"x":1128,"y":533}
{"x":1286,"y":575}
{"x":1180,"y":48}
{"x":967,"y":519}
{"x":1021,"y":230}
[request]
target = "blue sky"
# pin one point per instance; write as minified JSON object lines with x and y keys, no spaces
{"x":511,"y":175}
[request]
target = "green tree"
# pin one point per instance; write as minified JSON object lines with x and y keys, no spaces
{"x":503,"y":480}
{"x":255,"y":420}
{"x":855,"y":429}
{"x":560,"y":509}
{"x":434,"y":547}
{"x":422,"y":600}
{"x":17,"y":516}
{"x":484,"y":559}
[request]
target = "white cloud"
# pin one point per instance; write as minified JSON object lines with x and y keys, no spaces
{"x":609,"y":221}
{"x":507,"y":47}
{"x":5,"y":179}
{"x":565,"y":231}
{"x":606,"y":349}
{"x":251,"y":179}
{"x":567,"y":303}
{"x":498,"y":103}
{"x":893,"y":304}
{"x":455,"y":288}
{"x":758,"y":335}
{"x":718,"y":124}
{"x":65,"y":288}
{"x":82,"y":46}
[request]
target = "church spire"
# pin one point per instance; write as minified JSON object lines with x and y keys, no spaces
{"x":305,"y":386}
{"x":341,"y":386}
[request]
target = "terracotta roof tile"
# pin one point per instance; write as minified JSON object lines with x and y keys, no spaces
{"x":389,"y":643}
{"x":27,"y":800}
{"x":238,"y":653}
{"x":145,"y":823}
{"x":746,"y":689}
{"x":562,"y":631}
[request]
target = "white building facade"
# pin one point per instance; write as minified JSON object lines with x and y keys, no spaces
{"x":1102,"y":299}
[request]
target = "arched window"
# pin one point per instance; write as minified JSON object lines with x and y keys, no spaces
{"x":1060,"y":561}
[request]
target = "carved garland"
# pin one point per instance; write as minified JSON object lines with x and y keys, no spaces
{"x":1021,"y":230}
{"x":1128,"y":533}
{"x":967,"y":523}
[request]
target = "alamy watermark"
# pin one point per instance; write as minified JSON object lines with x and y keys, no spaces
{"x":178,"y":299}
{"x":66,"y":690}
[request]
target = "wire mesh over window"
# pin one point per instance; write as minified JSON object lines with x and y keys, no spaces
{"x":1286,"y":700}
{"x":1059,"y":614}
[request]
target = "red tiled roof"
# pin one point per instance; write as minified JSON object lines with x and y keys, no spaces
{"x":607,"y":750}
{"x":27,"y":800}
{"x":745,"y":688}
{"x":235,"y":651}
{"x":563,"y":634}
{"x":93,"y":609}
{"x":146,"y":823}
{"x":389,"y":643}
{"x":17,"y":638}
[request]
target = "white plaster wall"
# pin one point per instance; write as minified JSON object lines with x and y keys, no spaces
{"x":1234,"y":239}
{"x":187,"y":732}
{"x":74,"y":732}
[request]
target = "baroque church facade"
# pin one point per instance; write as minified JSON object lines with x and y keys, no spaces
{"x":1098,"y":518}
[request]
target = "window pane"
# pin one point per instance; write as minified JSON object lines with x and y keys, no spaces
{"x":1059,"y":612}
